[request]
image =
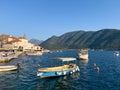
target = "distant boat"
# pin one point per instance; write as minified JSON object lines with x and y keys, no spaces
{"x":9,"y":68}
{"x":59,"y":70}
{"x":116,"y":53}
{"x":83,"y":55}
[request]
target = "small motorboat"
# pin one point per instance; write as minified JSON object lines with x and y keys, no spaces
{"x":9,"y":68}
{"x":83,"y":55}
{"x":116,"y":53}
{"x":58,"y":70}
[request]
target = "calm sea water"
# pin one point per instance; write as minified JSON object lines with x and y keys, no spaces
{"x":108,"y":78}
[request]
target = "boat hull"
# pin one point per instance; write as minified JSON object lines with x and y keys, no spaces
{"x":8,"y":68}
{"x":57,"y":73}
{"x":83,"y":55}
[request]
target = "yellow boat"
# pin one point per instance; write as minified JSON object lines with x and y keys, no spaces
{"x":58,"y":70}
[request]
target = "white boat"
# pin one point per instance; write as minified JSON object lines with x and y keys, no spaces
{"x":9,"y":68}
{"x":116,"y":53}
{"x":65,"y":59}
{"x":83,"y":55}
{"x":59,"y":70}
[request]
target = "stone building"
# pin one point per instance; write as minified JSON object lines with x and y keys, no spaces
{"x":17,"y":43}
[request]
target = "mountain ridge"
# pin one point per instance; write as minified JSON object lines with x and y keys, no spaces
{"x":108,"y":39}
{"x":35,"y":41}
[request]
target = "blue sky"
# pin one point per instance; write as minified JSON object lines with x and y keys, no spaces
{"x":41,"y":19}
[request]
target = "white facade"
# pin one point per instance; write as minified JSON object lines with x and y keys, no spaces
{"x":20,"y":43}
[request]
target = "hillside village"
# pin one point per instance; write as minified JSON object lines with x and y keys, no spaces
{"x":10,"y":42}
{"x":11,"y":47}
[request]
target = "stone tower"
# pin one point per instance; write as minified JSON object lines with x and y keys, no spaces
{"x":24,"y":36}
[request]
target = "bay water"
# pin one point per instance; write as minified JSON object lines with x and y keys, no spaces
{"x":107,"y":78}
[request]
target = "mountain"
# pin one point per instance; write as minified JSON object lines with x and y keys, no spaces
{"x":35,"y":41}
{"x":108,"y":39}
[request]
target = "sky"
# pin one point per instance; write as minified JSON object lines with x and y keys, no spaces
{"x":41,"y":19}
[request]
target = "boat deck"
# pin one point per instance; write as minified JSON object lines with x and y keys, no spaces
{"x":59,"y":68}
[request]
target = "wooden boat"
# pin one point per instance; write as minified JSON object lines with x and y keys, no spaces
{"x":83,"y":55}
{"x":9,"y":68}
{"x":5,"y":59}
{"x":59,"y":70}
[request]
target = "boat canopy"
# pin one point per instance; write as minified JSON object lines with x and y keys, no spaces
{"x":65,"y":59}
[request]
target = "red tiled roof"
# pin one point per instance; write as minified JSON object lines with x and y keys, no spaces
{"x":21,"y":38}
{"x":13,"y":41}
{"x":5,"y":35}
{"x":16,"y":40}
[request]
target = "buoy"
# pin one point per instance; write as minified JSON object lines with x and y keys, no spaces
{"x":95,"y":65}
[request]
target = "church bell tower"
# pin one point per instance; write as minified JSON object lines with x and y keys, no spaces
{"x":24,"y":36}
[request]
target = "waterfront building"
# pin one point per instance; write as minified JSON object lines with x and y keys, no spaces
{"x":17,"y":43}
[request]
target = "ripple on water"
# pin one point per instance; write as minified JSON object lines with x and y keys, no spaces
{"x":87,"y":79}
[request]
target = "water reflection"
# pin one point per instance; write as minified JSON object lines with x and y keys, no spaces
{"x":87,"y":79}
{"x":58,"y":83}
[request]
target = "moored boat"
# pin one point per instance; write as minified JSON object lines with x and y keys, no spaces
{"x":116,"y":53}
{"x":9,"y":68}
{"x":83,"y":55}
{"x":59,"y":70}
